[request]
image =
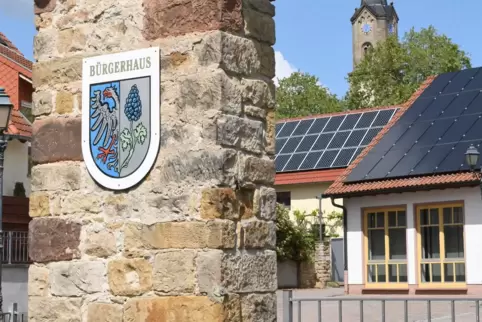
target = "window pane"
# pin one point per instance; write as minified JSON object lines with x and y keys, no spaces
{"x":447,"y":215}
{"x":392,"y":219}
{"x":434,"y":216}
{"x":402,"y":271}
{"x":376,"y":245}
{"x":371,"y":220}
{"x":460,"y":271}
{"x":382,"y":277}
{"x":380,"y":219}
{"x":458,"y":215}
{"x":425,"y":272}
{"x":430,"y":242}
{"x":392,"y":273}
{"x":454,"y":241}
{"x":397,"y":242}
{"x":371,"y":273}
{"x":402,"y":220}
{"x":424,"y":217}
{"x":436,"y":273}
{"x":449,"y":272}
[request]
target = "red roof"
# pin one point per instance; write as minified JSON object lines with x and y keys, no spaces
{"x":339,"y":188}
{"x":325,"y":175}
{"x":12,"y":64}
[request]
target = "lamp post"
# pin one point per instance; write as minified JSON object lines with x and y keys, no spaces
{"x":472,"y":158}
{"x":5,"y":110}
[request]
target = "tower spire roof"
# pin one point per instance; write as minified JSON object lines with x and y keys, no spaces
{"x":379,"y":8}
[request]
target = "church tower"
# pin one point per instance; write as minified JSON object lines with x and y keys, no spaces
{"x":372,"y":22}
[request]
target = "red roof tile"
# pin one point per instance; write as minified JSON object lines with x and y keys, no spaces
{"x":9,"y":44}
{"x":327,"y":175}
{"x":19,"y":125}
{"x":339,"y":188}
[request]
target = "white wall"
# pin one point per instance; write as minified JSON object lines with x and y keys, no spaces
{"x":15,"y":167}
{"x":472,"y":229}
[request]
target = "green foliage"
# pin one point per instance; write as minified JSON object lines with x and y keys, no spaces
{"x":392,"y":71}
{"x":301,"y":95}
{"x":296,"y":237}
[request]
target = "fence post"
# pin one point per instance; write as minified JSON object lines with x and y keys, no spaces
{"x":15,"y":312}
{"x":9,"y":247}
{"x":287,"y":306}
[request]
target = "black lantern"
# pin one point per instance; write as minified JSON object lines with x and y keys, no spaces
{"x":472,"y":156}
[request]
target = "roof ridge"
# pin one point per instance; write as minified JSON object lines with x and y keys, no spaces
{"x":335,"y":187}
{"x":356,"y":111}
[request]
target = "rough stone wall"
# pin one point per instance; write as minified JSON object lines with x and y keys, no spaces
{"x":195,"y":241}
{"x":323,"y":264}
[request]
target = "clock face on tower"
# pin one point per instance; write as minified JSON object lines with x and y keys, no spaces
{"x":366,"y":28}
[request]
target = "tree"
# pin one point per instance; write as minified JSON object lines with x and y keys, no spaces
{"x":392,"y":71}
{"x":300,"y":94}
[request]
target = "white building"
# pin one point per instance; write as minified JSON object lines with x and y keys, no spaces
{"x":412,"y":202}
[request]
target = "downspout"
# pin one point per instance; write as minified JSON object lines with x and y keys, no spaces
{"x":345,"y":248}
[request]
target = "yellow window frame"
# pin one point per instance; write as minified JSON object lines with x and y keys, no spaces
{"x":442,"y":260}
{"x":386,"y":262}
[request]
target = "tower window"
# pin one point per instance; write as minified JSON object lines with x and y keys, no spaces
{"x":366,"y":47}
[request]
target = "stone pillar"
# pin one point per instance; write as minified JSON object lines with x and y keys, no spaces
{"x":195,"y":240}
{"x":323,"y":264}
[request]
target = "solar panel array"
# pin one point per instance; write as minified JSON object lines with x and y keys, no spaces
{"x":326,"y":142}
{"x":433,"y":135}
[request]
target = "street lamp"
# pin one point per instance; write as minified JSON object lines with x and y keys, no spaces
{"x":472,"y":156}
{"x":5,"y":110}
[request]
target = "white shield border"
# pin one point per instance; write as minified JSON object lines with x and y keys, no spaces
{"x":154,"y":72}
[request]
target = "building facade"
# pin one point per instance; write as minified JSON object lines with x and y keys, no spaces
{"x":411,"y":199}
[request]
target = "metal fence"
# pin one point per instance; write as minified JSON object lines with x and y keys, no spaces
{"x":377,"y":308}
{"x":18,"y":316}
{"x":15,"y":247}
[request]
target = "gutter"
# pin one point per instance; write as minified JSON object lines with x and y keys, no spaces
{"x":345,"y":243}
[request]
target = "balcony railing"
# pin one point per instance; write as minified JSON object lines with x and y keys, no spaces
{"x":15,"y":247}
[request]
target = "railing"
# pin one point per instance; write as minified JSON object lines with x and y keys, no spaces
{"x":18,"y":316}
{"x":402,"y":308}
{"x":15,"y":247}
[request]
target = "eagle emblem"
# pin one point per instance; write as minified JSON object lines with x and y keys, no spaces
{"x":121,"y":131}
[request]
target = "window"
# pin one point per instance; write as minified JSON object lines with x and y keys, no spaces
{"x":366,"y":47}
{"x":284,"y":198}
{"x":440,"y":234}
{"x":385,"y":246}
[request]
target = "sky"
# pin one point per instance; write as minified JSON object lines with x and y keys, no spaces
{"x":313,"y":36}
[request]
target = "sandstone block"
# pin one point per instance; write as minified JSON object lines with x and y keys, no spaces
{"x":53,"y":239}
{"x":258,"y":307}
{"x":64,"y":102}
{"x":270,"y":133}
{"x":129,"y":277}
{"x":246,"y":199}
{"x":209,"y":270}
{"x":252,"y":136}
{"x":71,"y":40}
{"x":250,"y":272}
{"x":259,"y":25}
{"x":77,"y":278}
{"x":219,"y":203}
{"x":103,"y":312}
{"x":236,"y":131}
{"x":59,"y":71}
{"x":48,"y":309}
{"x":99,"y":243}
{"x":56,"y":177}
{"x":211,"y":234}
{"x":42,"y":103}
{"x":77,"y":203}
{"x":163,"y":19}
{"x":42,"y":6}
{"x":259,"y":234}
{"x":174,"y":272}
{"x":258,"y":93}
{"x":38,"y":281}
{"x":43,"y":20}
{"x":255,"y":112}
{"x":265,"y":203}
{"x":173,"y":309}
{"x":57,"y":139}
{"x":264,"y":6}
{"x":39,"y":204}
{"x":258,"y":170}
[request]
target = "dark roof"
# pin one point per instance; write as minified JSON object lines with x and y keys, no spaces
{"x":7,"y":43}
{"x":424,"y":145}
{"x":379,"y":8}
{"x":327,"y":141}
